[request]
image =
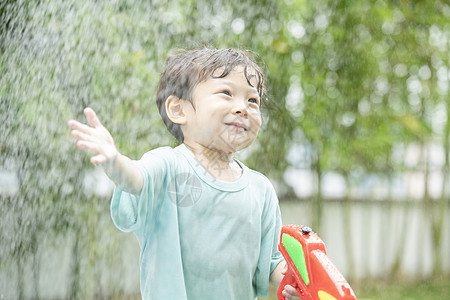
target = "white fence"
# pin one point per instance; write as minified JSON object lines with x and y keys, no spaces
{"x":380,"y":231}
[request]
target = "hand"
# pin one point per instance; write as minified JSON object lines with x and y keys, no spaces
{"x":290,"y":293}
{"x":94,"y":138}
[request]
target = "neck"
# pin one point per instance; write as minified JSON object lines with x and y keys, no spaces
{"x":220,"y":164}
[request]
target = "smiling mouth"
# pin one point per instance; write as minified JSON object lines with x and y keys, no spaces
{"x":236,"y":125}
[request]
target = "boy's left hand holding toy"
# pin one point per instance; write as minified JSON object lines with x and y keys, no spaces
{"x":310,"y":272}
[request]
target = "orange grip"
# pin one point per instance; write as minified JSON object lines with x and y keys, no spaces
{"x":310,"y":270}
{"x":288,"y":279}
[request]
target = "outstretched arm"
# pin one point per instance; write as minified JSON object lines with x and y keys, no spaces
{"x":95,"y":138}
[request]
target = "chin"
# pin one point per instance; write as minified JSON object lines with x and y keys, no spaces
{"x":242,"y":146}
{"x":230,"y":148}
{"x":235,"y":144}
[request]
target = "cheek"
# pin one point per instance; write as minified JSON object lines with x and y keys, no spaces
{"x":256,"y":121}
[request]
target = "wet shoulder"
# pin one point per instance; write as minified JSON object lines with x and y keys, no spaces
{"x":163,"y":156}
{"x":260,"y":180}
{"x":164,"y":152}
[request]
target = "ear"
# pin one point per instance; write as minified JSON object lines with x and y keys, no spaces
{"x":175,"y":109}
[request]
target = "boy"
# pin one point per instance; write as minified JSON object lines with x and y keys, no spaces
{"x":208,"y":226}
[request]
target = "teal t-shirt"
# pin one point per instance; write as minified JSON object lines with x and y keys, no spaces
{"x":200,"y":238}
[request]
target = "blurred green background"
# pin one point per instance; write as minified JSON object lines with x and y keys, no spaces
{"x":355,"y":132}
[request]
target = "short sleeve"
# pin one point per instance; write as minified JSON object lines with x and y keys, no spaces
{"x":277,"y":257}
{"x":131,"y":212}
{"x":270,"y":256}
{"x":128,"y":210}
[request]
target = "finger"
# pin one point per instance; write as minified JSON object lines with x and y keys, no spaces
{"x":287,"y":296}
{"x":80,"y":126}
{"x":82,"y":136}
{"x":92,"y":118}
{"x":290,"y":290}
{"x":98,"y":159}
{"x":88,"y":146}
{"x":71,"y":123}
{"x":74,"y":124}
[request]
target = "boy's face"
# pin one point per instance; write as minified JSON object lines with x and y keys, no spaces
{"x":225,"y":114}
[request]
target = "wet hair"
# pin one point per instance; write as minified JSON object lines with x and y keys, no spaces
{"x":186,"y":69}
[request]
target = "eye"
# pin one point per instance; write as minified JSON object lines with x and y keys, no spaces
{"x":253,"y":100}
{"x":226,"y":92}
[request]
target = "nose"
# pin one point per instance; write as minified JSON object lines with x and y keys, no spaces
{"x":240,"y":110}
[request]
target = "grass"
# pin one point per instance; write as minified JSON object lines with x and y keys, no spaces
{"x":430,"y":289}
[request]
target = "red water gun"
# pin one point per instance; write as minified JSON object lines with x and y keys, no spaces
{"x":310,"y":270}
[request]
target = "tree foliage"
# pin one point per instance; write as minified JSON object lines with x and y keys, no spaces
{"x":349,"y":81}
